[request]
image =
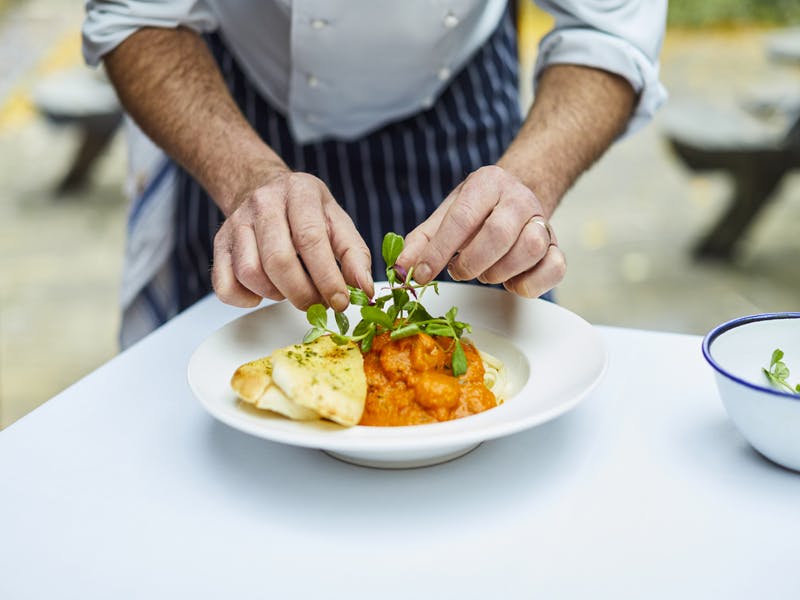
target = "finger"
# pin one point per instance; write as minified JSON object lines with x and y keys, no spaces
{"x":223,"y":279}
{"x":542,"y":278}
{"x":279,"y":258}
{"x":350,"y":250}
{"x":416,"y":241}
{"x":247,"y":264}
{"x":464,"y":217}
{"x":309,"y":228}
{"x":497,"y":236}
{"x":530,"y":247}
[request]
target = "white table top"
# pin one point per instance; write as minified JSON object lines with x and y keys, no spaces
{"x":123,"y":487}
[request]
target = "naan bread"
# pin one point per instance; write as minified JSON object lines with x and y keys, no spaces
{"x":251,"y":380}
{"x":253,"y":383}
{"x":324,"y":377}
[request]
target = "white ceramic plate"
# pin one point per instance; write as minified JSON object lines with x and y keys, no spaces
{"x":554,"y":358}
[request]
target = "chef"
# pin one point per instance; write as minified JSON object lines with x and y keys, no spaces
{"x":276,"y":141}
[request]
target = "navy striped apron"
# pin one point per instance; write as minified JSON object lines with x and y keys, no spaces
{"x":389,"y":180}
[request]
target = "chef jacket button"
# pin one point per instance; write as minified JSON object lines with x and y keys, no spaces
{"x":450,"y":20}
{"x":427,"y":101}
{"x":312,"y":81}
{"x":319,"y":24}
{"x":444,"y":74}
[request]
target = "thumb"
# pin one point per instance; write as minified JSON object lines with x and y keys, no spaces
{"x":417,"y":239}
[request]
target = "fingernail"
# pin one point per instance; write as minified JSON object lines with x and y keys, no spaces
{"x":339,"y":301}
{"x":422,"y":273}
{"x":450,"y":272}
{"x":365,"y":281}
{"x":527,"y":291}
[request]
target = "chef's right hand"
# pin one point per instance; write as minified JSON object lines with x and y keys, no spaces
{"x":287,"y":239}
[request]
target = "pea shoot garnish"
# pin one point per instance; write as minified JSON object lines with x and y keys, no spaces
{"x":778,"y":373}
{"x":399,"y":311}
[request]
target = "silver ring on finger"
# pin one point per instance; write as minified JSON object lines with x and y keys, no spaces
{"x":541,"y":221}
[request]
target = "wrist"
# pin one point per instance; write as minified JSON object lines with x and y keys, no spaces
{"x":543,"y":182}
{"x":243,"y":177}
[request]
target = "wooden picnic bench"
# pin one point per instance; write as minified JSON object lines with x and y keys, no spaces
{"x":748,"y":146}
{"x":753,"y":156}
{"x":83,"y":99}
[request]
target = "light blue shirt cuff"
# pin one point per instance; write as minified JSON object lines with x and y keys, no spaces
{"x":592,"y":48}
{"x":108,"y":24}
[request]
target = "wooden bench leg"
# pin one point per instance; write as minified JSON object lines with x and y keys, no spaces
{"x":95,"y":138}
{"x":753,"y":187}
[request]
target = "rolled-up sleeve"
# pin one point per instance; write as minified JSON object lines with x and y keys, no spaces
{"x":623,"y":37}
{"x":109,"y":22}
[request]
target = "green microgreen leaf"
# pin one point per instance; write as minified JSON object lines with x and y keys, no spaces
{"x":357,"y":296}
{"x":459,"y":362}
{"x":461,"y":327}
{"x":366,"y":343}
{"x":772,"y":379}
{"x":392,"y":313}
{"x":339,"y":339}
{"x":373,"y":314}
{"x":438,"y":329}
{"x":381,"y":301}
{"x":313,"y":334}
{"x":450,"y":315}
{"x":405,"y":331}
{"x":391,"y":248}
{"x":778,"y":373}
{"x":342,"y":322}
{"x":361,"y":328}
{"x":417,"y":312}
{"x":399,"y":297}
{"x":317,"y":315}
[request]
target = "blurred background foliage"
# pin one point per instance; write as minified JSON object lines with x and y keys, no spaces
{"x":704,"y":13}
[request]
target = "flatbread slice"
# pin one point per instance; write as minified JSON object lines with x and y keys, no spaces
{"x":324,"y":377}
{"x":251,"y":380}
{"x":253,"y":383}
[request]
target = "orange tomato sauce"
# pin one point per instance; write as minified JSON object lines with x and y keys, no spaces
{"x":410,"y":382}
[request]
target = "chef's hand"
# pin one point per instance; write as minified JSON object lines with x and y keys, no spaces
{"x":287,"y":239}
{"x":493,"y":228}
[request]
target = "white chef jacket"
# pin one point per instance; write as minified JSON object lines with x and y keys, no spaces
{"x":339,"y":69}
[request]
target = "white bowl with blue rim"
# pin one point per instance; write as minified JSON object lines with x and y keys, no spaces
{"x":766,"y":414}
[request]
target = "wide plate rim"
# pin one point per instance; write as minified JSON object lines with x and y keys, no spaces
{"x":380,"y":440}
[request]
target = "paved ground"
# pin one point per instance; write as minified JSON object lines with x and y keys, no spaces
{"x":59,"y":257}
{"x":626,"y":227}
{"x":629,"y":224}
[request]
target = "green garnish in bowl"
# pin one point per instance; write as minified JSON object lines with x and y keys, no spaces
{"x":778,"y":373}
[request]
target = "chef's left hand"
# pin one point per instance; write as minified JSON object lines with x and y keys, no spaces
{"x":493,"y":228}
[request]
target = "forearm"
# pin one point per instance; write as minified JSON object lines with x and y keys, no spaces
{"x":169,"y":83}
{"x":576,"y":115}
